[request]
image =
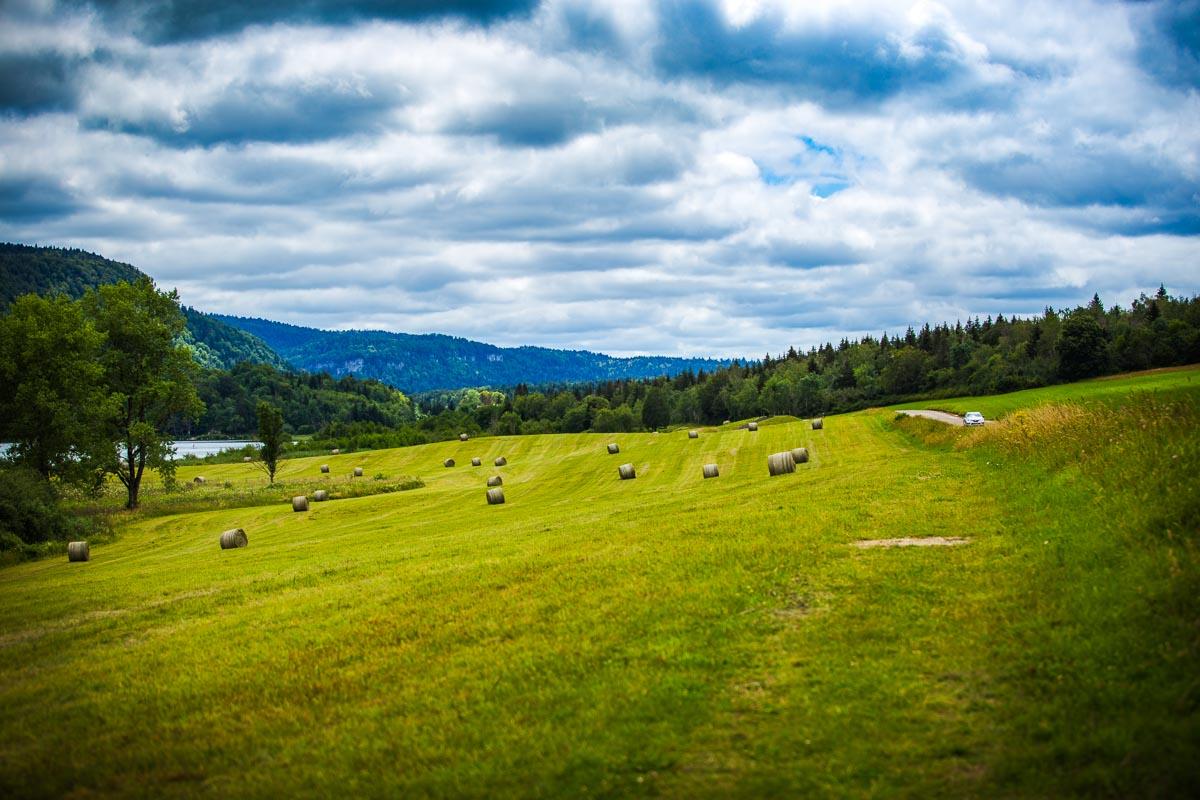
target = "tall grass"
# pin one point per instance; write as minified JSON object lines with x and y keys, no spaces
{"x":1103,"y":500}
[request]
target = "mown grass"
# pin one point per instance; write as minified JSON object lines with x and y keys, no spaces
{"x":665,"y":636}
{"x":1112,"y":389}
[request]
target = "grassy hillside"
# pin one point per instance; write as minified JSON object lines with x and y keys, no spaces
{"x":664,"y":636}
{"x":26,"y":269}
{"x":1111,"y":389}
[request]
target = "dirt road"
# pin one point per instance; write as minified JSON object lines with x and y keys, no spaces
{"x":939,"y":416}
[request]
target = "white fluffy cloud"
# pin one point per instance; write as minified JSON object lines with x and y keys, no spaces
{"x":691,"y":178}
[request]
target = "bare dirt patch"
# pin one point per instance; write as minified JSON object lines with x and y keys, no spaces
{"x":921,"y":541}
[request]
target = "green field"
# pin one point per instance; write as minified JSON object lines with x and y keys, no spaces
{"x":667,"y":636}
{"x":1111,"y":389}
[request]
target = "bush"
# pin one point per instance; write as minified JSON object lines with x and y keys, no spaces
{"x":30,"y":512}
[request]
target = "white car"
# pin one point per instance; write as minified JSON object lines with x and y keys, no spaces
{"x":972,"y":418}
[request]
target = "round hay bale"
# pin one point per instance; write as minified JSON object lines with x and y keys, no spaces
{"x":462,"y":437}
{"x":693,"y":434}
{"x":234,"y":538}
{"x":495,"y":497}
{"x":613,"y":449}
{"x":780,"y":463}
{"x":752,"y":426}
{"x":495,"y":480}
{"x":335,"y":451}
{"x":247,"y":459}
{"x":476,"y":462}
{"x":300,"y":503}
{"x":626,"y":472}
{"x":198,"y":480}
{"x":325,"y":468}
{"x":79,"y":551}
{"x":449,"y":462}
{"x":501,"y":461}
{"x":800,"y":455}
{"x":818,"y":423}
{"x":358,"y":472}
{"x":320,"y":495}
{"x":711,"y":471}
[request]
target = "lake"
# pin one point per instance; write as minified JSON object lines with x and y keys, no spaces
{"x":199,"y":449}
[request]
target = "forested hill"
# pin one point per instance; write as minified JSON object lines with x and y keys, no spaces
{"x":25,"y":269}
{"x":417,"y":363}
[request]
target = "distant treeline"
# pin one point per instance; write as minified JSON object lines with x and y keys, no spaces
{"x":986,"y":356}
{"x":308,"y":401}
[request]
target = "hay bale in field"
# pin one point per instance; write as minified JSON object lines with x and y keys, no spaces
{"x":693,"y":434}
{"x":476,"y":462}
{"x":800,"y":455}
{"x":320,"y":495}
{"x":613,"y":449}
{"x":501,"y":461}
{"x":236,"y":537}
{"x":752,"y":426}
{"x":462,"y":437}
{"x":495,"y":497}
{"x":79,"y":551}
{"x":726,"y":422}
{"x":626,"y":472}
{"x":358,"y":472}
{"x":335,"y":451}
{"x":198,"y":480}
{"x":325,"y":468}
{"x":818,"y":423}
{"x":495,"y":480}
{"x":780,"y":463}
{"x":300,"y":503}
{"x":247,"y":459}
{"x":711,"y":471}
{"x":449,"y":462}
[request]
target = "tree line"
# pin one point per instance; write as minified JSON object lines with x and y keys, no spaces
{"x":976,"y":357}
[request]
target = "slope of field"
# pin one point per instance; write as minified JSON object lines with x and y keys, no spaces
{"x":668,"y":635}
{"x":1112,"y":388}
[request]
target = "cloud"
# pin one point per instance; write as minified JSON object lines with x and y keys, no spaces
{"x":184,"y":20}
{"x":681,"y":177}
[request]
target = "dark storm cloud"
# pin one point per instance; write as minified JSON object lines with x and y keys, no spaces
{"x":37,"y":82}
{"x":250,"y":112}
{"x":1169,"y":41}
{"x":183,"y":20}
{"x":35,"y":199}
{"x":1069,"y":177}
{"x":842,"y":65}
{"x":553,"y":115}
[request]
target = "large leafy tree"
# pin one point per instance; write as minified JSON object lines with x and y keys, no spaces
{"x":148,"y":376}
{"x":1082,"y":346}
{"x":656,"y":412}
{"x":270,"y":433}
{"x":51,"y":400}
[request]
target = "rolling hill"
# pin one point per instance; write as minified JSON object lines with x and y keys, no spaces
{"x":418,"y":363}
{"x":26,"y":269}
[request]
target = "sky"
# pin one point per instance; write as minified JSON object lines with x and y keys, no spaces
{"x":685,"y":177}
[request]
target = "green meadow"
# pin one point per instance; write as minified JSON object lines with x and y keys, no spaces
{"x":665,"y":636}
{"x":1113,"y":389}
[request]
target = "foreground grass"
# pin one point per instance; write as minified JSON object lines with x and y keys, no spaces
{"x":667,"y":635}
{"x":1112,"y":389}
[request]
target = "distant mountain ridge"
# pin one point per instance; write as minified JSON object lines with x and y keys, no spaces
{"x":423,"y":362}
{"x":411,"y":362}
{"x":26,"y":269}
